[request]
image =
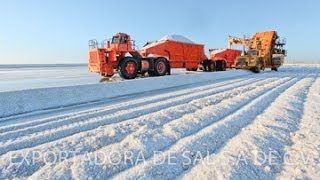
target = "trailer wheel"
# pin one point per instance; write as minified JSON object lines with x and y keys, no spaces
{"x":128,"y":68}
{"x":206,"y":64}
{"x":224,"y":66}
{"x":221,"y":65}
{"x":211,"y":66}
{"x":160,"y":67}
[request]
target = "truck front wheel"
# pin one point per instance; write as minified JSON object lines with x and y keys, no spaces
{"x":256,"y":69}
{"x":128,"y":68}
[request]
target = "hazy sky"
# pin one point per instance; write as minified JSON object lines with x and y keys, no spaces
{"x":57,"y":31}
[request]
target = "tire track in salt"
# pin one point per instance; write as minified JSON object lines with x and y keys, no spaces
{"x":268,"y":133}
{"x":109,"y":109}
{"x":200,"y":143}
{"x":159,"y":142}
{"x":121,"y":131}
{"x":67,"y":130}
{"x":305,"y":148}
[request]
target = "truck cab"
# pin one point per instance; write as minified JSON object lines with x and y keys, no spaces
{"x":121,"y":43}
{"x":105,"y":58}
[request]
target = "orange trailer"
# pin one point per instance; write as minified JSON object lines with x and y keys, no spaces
{"x":156,"y":58}
{"x":226,"y":56}
{"x":180,"y":52}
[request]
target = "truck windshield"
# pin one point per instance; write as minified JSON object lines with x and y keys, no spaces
{"x":115,"y":40}
{"x":123,"y":39}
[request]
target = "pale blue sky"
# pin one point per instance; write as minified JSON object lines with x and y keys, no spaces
{"x":57,"y":31}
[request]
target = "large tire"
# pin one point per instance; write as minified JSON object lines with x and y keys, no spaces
{"x":129,"y":68}
{"x":224,"y":66}
{"x":211,"y":66}
{"x":221,"y":65}
{"x":160,"y":67}
{"x":256,"y":69}
{"x":205,"y":66}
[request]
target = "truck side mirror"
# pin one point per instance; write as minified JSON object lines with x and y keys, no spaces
{"x":108,"y":44}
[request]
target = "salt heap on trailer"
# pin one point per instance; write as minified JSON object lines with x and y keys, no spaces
{"x":217,"y":51}
{"x":173,"y":37}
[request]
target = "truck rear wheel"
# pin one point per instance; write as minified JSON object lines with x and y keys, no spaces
{"x":160,"y":67}
{"x":128,"y":68}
